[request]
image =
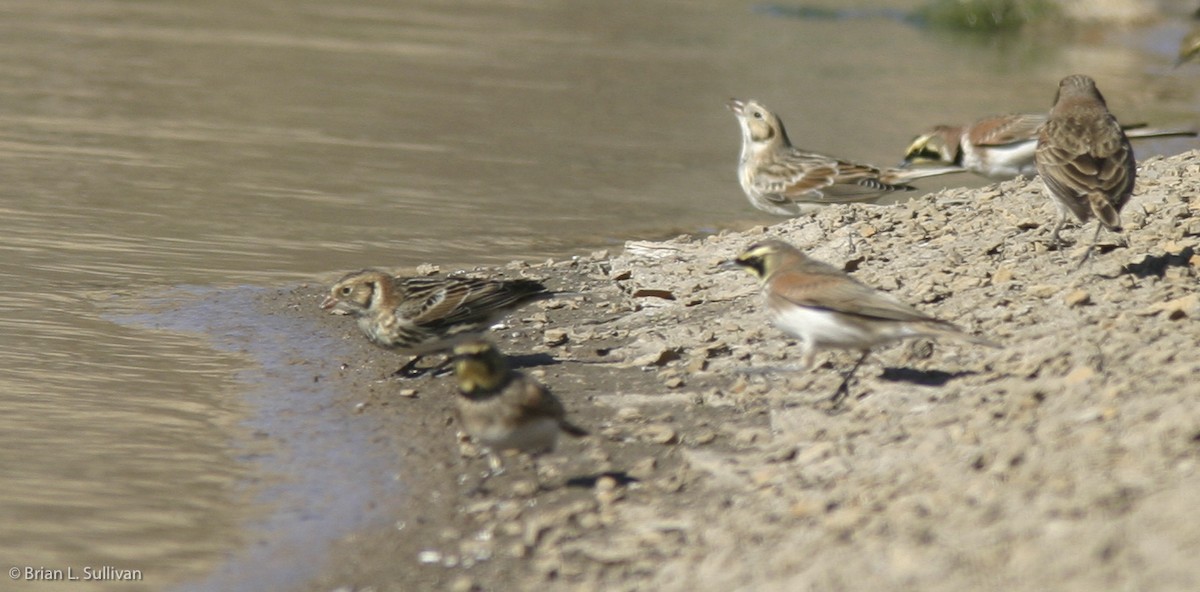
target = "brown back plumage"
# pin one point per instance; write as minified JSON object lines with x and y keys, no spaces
{"x":1083,"y":155}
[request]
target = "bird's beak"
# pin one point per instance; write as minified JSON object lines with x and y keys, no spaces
{"x":736,"y":105}
{"x":328,"y":303}
{"x":729,"y":264}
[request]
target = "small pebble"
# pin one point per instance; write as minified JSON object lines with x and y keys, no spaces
{"x":1042,"y":290}
{"x":629,"y":414}
{"x":524,"y":488}
{"x":589,"y":521}
{"x":605,"y":484}
{"x":1077,"y":298}
{"x":463,"y":584}
{"x":659,"y":434}
{"x":554,"y":337}
{"x":644,"y":469}
{"x":1079,"y":375}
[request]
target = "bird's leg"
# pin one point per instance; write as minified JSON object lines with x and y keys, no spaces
{"x":1091,"y":247}
{"x":843,"y":389}
{"x":479,"y":489}
{"x":1055,"y":239}
{"x":442,"y":367}
{"x":410,"y":369}
{"x":808,"y":355}
{"x":495,"y":467}
{"x":537,"y":474}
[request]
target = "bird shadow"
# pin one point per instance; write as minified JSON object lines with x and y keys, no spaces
{"x":445,"y":366}
{"x":589,"y":481}
{"x":533,"y":360}
{"x":921,"y":377}
{"x":1157,"y":265}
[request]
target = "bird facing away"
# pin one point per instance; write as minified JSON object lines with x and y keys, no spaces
{"x":423,"y":315}
{"x":1084,"y":158}
{"x":1001,"y":147}
{"x":503,"y":409}
{"x":781,"y":179}
{"x":825,"y":308}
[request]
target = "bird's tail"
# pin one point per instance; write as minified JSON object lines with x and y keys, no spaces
{"x":1141,"y":130}
{"x":952,"y":331}
{"x":898,"y":176}
{"x":572,"y":429}
{"x":1104,"y":211}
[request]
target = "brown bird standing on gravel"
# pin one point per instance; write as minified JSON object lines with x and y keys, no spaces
{"x":503,"y":409}
{"x":824,"y":307}
{"x":781,"y":179}
{"x":1084,"y":158}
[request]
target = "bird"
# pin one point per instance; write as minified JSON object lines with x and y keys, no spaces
{"x":503,"y":409}
{"x":784,"y":180}
{"x":825,"y":308}
{"x":1084,"y":159}
{"x":1189,"y":46}
{"x":1000,"y":147}
{"x":418,"y":316}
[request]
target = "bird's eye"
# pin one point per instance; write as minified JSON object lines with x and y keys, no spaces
{"x":758,"y":115}
{"x":345,"y":291}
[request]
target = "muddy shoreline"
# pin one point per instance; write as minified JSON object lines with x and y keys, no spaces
{"x":1067,"y":460}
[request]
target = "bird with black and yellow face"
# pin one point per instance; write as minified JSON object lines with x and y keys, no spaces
{"x":502,"y":409}
{"x":825,"y":308}
{"x":1001,"y":147}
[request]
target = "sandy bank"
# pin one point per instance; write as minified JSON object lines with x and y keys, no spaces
{"x":1066,"y":461}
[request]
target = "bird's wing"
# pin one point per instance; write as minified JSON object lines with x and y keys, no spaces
{"x":811,"y":177}
{"x":829,"y":290}
{"x":443,"y":301}
{"x":1003,"y":130}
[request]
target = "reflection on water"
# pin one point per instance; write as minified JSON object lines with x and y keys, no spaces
{"x":260,"y":142}
{"x":313,"y":477}
{"x":116,"y":443}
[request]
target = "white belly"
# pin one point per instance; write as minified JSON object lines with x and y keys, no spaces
{"x":536,"y":436}
{"x":821,"y":328}
{"x":1003,"y":162}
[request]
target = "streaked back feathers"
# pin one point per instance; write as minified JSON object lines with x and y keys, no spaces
{"x":433,"y":303}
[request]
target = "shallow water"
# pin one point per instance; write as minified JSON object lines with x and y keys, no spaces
{"x":160,"y":155}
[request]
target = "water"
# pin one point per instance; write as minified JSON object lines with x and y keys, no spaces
{"x":162,"y":156}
